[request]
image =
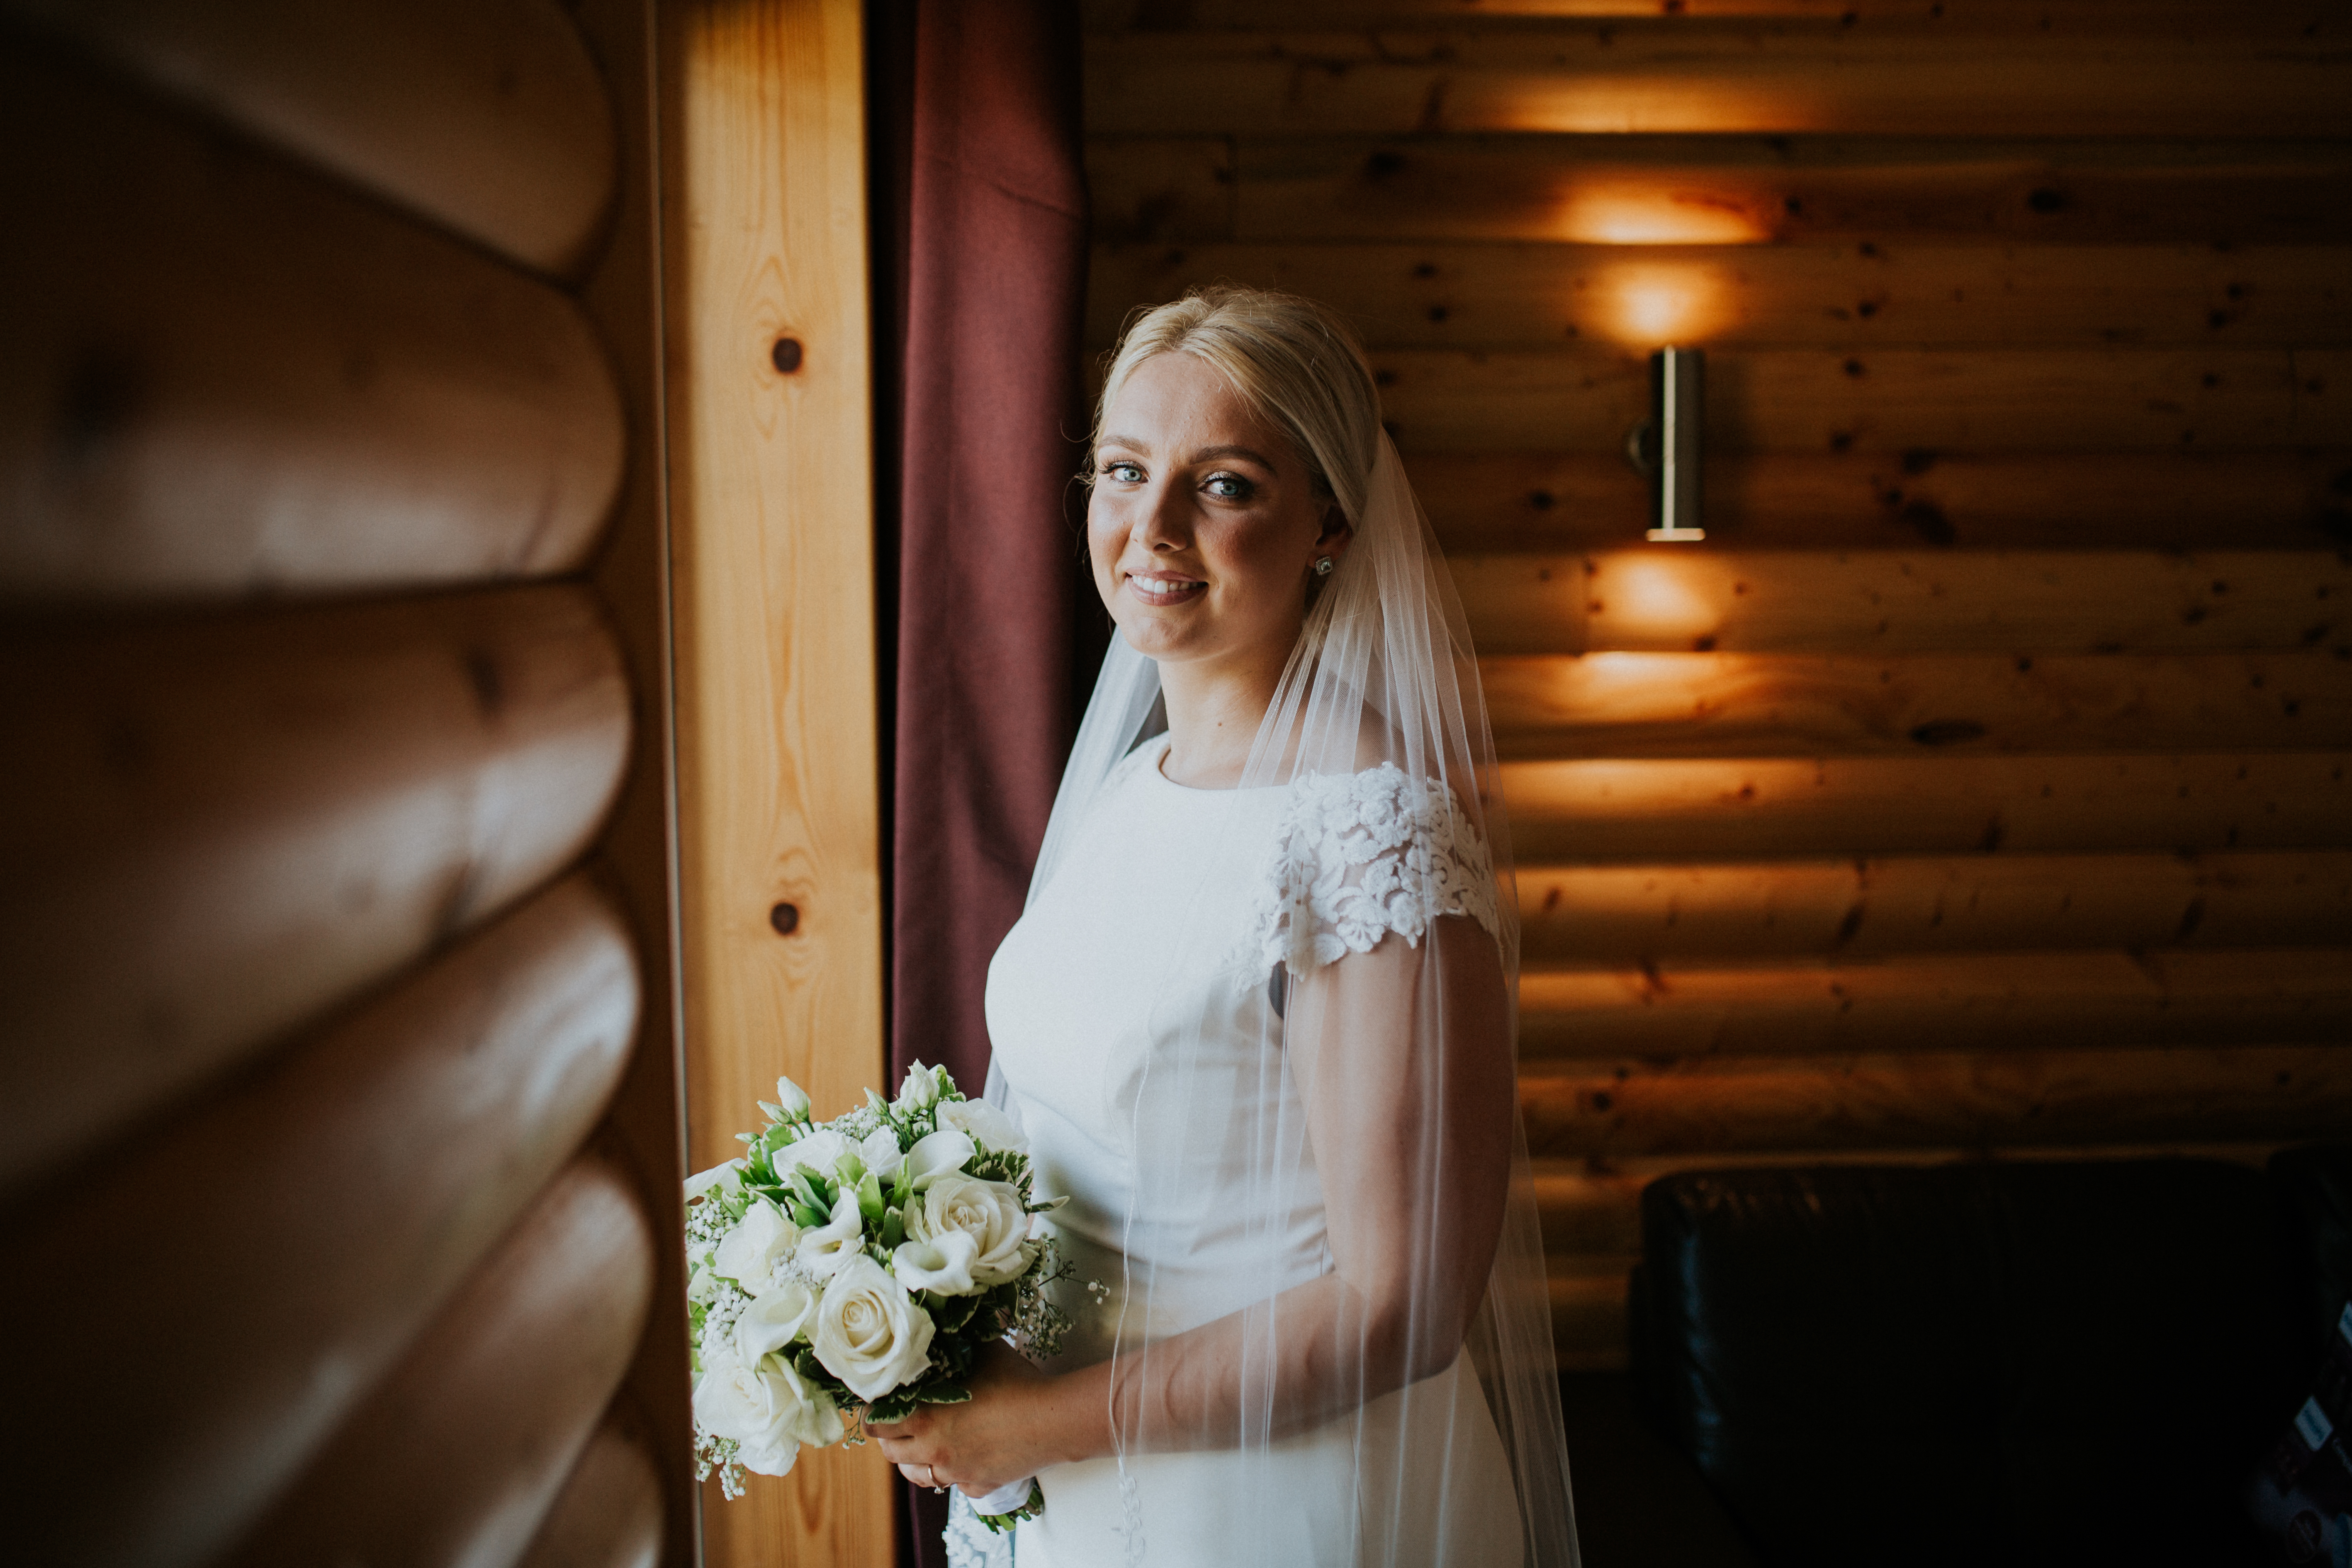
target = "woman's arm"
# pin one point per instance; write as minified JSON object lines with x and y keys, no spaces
{"x":1404,"y":1059}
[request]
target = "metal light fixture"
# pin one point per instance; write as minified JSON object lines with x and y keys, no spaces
{"x":1667,"y":448}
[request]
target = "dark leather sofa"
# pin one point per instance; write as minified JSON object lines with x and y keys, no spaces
{"x":2075,"y":1362}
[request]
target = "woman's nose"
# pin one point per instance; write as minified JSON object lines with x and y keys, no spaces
{"x":1166,"y":522}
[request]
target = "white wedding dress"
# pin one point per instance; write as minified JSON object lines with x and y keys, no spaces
{"x":1080,"y":997}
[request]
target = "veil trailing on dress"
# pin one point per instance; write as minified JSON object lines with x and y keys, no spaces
{"x":1355,"y":1069}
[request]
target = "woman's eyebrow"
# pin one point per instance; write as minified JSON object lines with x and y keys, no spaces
{"x":1260,"y":458}
{"x":1131,"y":443}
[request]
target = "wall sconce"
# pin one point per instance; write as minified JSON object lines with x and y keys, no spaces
{"x":1667,"y":448}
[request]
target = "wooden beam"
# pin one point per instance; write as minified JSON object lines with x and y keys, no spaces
{"x":312,"y":394}
{"x":320,"y":1212}
{"x":459,"y":1452}
{"x":1899,"y":500}
{"x":609,"y":1513}
{"x":2012,"y":1098}
{"x":2015,"y":401}
{"x":216,"y":828}
{"x":487,"y":116}
{"x":1794,"y":705}
{"x":1710,"y":808}
{"x":1865,"y":907}
{"x":770,"y":475}
{"x":1588,"y":1313}
{"x":1724,"y":189}
{"x":2036,"y":602}
{"x":2020,"y":1002}
{"x":1851,"y":298}
{"x":1954,"y":17}
{"x":1674,"y":74}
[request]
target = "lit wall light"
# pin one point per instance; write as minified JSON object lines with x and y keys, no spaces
{"x":1668,"y":449}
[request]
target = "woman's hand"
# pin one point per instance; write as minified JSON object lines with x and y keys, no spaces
{"x":1011,"y":1427}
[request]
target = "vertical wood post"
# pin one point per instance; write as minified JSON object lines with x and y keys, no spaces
{"x":771,"y":476}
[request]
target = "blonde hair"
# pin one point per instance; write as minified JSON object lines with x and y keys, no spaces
{"x":1294,"y":361}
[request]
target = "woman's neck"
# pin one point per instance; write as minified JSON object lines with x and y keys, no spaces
{"x":1213,"y":715}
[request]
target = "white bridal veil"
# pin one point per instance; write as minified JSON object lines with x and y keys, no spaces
{"x":1379,"y":1079}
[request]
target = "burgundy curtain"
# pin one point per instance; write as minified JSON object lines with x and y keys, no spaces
{"x":978,"y":198}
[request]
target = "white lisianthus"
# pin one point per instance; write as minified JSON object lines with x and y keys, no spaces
{"x":987,"y":1125}
{"x":792,"y":1099}
{"x":762,"y":1239}
{"x":943,"y":1153}
{"x":824,"y":1250}
{"x":942,"y":1264}
{"x":868,"y":1334}
{"x":773,"y":1320}
{"x":880,"y":1150}
{"x":921,"y":1089}
{"x":988,"y":1212}
{"x":769,"y":1409}
{"x":820,"y":1151}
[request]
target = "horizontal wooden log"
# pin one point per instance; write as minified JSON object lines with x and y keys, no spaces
{"x":1953,"y":16}
{"x":303,"y":1228}
{"x":214,"y":829}
{"x":488,"y":118}
{"x":610,"y":1512}
{"x":461,"y":1451}
{"x":1846,"y":297}
{"x":1716,"y":190}
{"x":2039,"y":602}
{"x":1890,"y":401}
{"x":1706,"y":808}
{"x":1796,"y":705}
{"x":1588,"y":1318}
{"x":2001,"y":1097}
{"x":243,"y":379}
{"x":1671,"y":75}
{"x":1883,"y":501}
{"x":1869,"y":907}
{"x":1931,"y":1001}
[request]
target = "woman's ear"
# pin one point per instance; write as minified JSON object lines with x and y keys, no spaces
{"x":1337,"y":532}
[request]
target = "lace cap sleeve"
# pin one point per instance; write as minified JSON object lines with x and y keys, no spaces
{"x":1357,"y":856}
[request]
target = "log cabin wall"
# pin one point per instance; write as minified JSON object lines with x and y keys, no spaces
{"x":1978,"y":788}
{"x":338,"y":1117}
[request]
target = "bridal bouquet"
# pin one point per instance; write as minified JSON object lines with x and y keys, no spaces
{"x":855,"y":1267}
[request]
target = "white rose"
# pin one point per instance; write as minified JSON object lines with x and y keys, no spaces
{"x":761,"y":1240}
{"x":769,"y":1409}
{"x":986,"y":1124}
{"x":943,"y":1153}
{"x":988,"y":1212}
{"x":868,"y":1334}
{"x":820,"y":1152}
{"x":880,"y":1150}
{"x":942,"y":1264}
{"x":773,"y":1320}
{"x":920,"y":1089}
{"x":823,"y":1251}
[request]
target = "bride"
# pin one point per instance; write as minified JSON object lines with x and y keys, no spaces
{"x":1257,"y":1019}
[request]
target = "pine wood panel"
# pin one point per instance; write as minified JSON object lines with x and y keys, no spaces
{"x":770,"y":480}
{"x":1888,"y":400}
{"x":1938,"y":1002}
{"x":216,"y":828}
{"x":2016,"y":1098}
{"x":312,"y":393}
{"x":457,"y":1455}
{"x":1722,"y":189}
{"x":1810,"y":601}
{"x":1881,"y":500}
{"x":1847,"y":297}
{"x":485,"y":115}
{"x":1718,"y":809}
{"x":609,"y":1513}
{"x":1588,"y":1312}
{"x":320,"y":1212}
{"x":1865,"y":907}
{"x":1672,"y":74}
{"x":1784,"y":705}
{"x":1954,"y":17}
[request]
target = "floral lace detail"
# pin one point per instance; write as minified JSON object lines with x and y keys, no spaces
{"x":1357,"y":856}
{"x":970,"y":1543}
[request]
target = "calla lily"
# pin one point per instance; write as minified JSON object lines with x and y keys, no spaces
{"x":774,"y":1320}
{"x":944,"y":1153}
{"x":824,"y":1250}
{"x":942,"y":1264}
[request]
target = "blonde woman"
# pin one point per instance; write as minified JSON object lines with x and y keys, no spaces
{"x":1257,"y":1020}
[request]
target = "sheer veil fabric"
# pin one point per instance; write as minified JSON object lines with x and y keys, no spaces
{"x":1379,"y":1084}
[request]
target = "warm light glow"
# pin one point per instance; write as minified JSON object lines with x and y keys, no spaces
{"x":1650,"y":603}
{"x":1633,"y":215}
{"x":1652,"y":304}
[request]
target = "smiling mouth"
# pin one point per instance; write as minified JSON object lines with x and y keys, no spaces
{"x":1163,"y":589}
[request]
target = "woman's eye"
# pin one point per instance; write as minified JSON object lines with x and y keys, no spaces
{"x":1229,"y":487}
{"x":1125,"y":473}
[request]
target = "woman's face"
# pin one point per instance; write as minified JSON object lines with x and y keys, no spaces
{"x":1203,"y":525}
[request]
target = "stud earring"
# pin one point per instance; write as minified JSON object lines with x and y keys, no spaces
{"x":1323,"y":567}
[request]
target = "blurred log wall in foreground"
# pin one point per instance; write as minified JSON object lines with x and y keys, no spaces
{"x":1979,"y":787}
{"x":340,"y":1129}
